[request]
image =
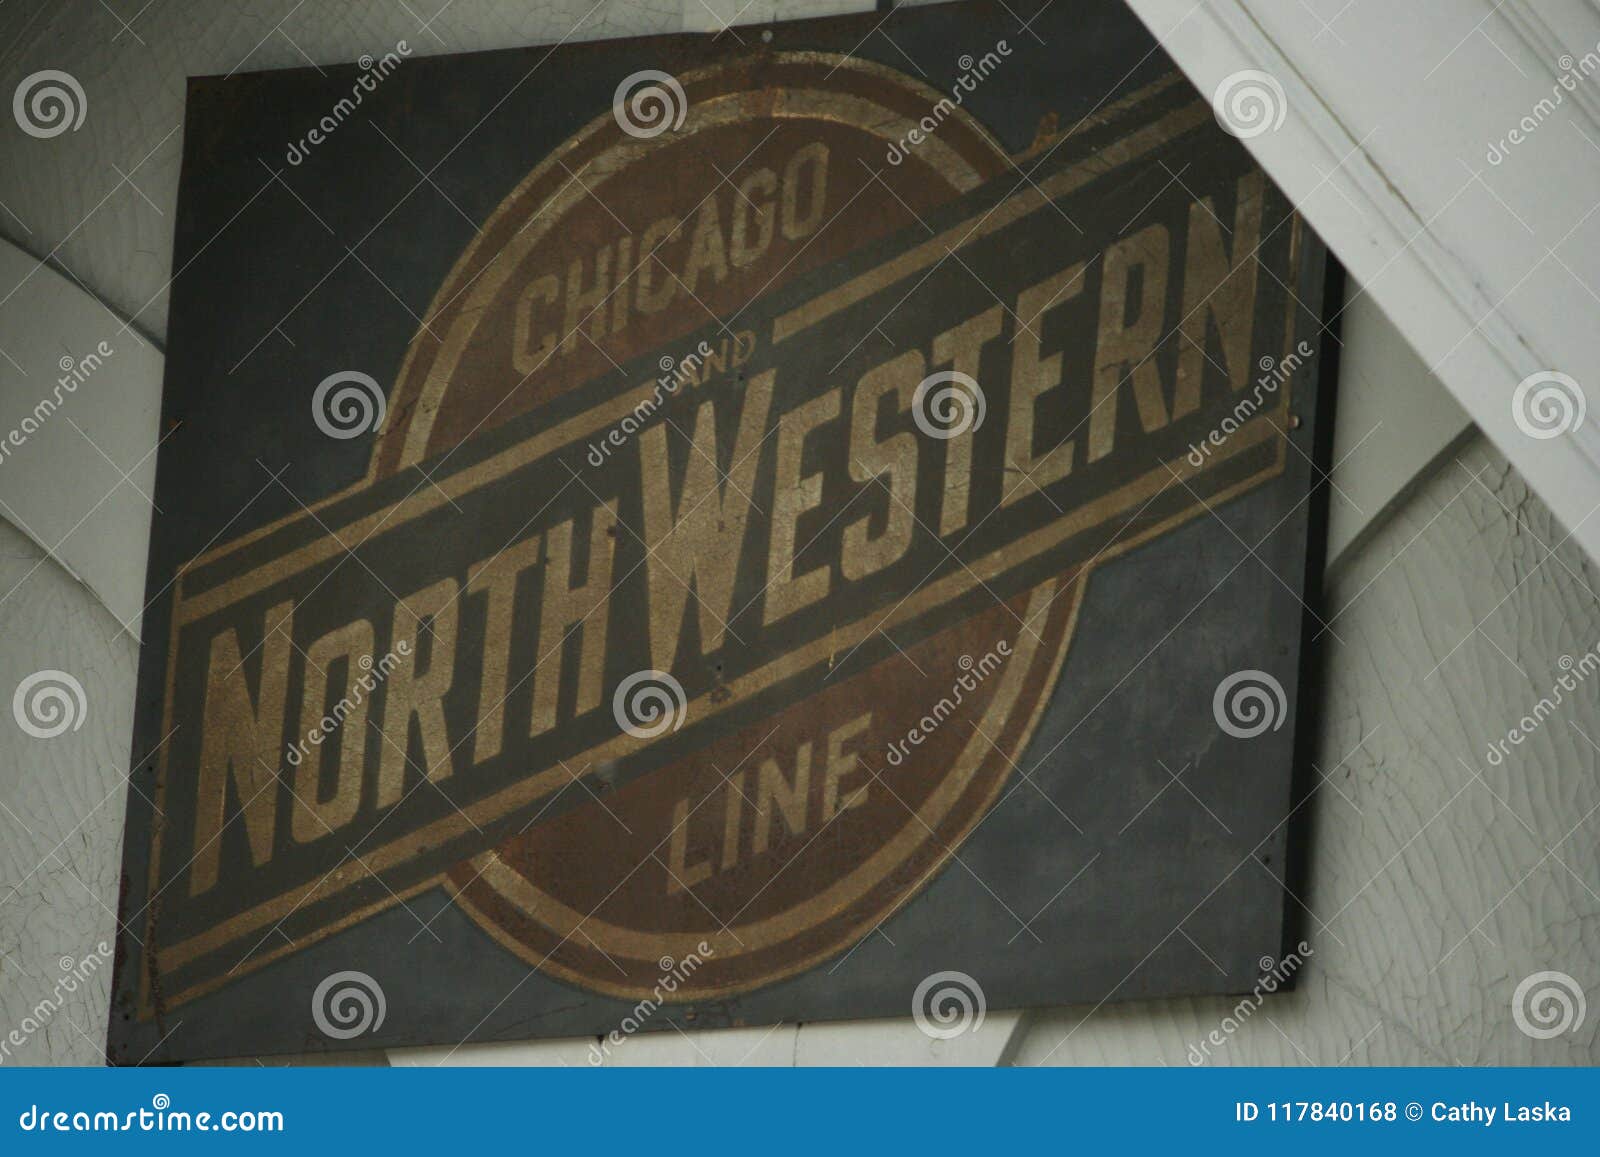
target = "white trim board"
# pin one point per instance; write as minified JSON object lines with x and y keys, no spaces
{"x":1490,"y":269}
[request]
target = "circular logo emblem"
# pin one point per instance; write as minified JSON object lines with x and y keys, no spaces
{"x":765,"y":847}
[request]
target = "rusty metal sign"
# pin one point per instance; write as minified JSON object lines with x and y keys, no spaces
{"x":712,"y":530}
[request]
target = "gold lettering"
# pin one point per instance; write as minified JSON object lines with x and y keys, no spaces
{"x":525,"y":355}
{"x":243,"y":739}
{"x":895,"y":457}
{"x":700,"y":541}
{"x":580,"y":608}
{"x":962,"y":347}
{"x":682,"y":875}
{"x":705,"y":250}
{"x":655,"y":236}
{"x":774,"y":791}
{"x":793,"y":496}
{"x":586,"y":304}
{"x":313,"y":816}
{"x":1031,"y":377}
{"x":1222,"y":289}
{"x":408,"y":694}
{"x":840,"y":764}
{"x":741,"y":251}
{"x":621,"y":299}
{"x":497,"y":578}
{"x":815,"y":158}
{"x":1126,"y":349}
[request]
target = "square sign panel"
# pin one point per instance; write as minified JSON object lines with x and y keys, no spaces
{"x":712,"y":530}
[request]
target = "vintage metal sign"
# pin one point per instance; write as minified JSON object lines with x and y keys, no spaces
{"x":696,"y":532}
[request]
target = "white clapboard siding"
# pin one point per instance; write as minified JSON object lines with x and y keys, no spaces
{"x":1421,"y":866}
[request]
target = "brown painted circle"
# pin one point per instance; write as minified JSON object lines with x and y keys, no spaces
{"x":588,"y":896}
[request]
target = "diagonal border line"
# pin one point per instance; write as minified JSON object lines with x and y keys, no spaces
{"x":540,"y":966}
{"x":1162,"y":641}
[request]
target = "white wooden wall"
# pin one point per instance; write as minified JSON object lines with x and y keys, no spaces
{"x":1437,"y":881}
